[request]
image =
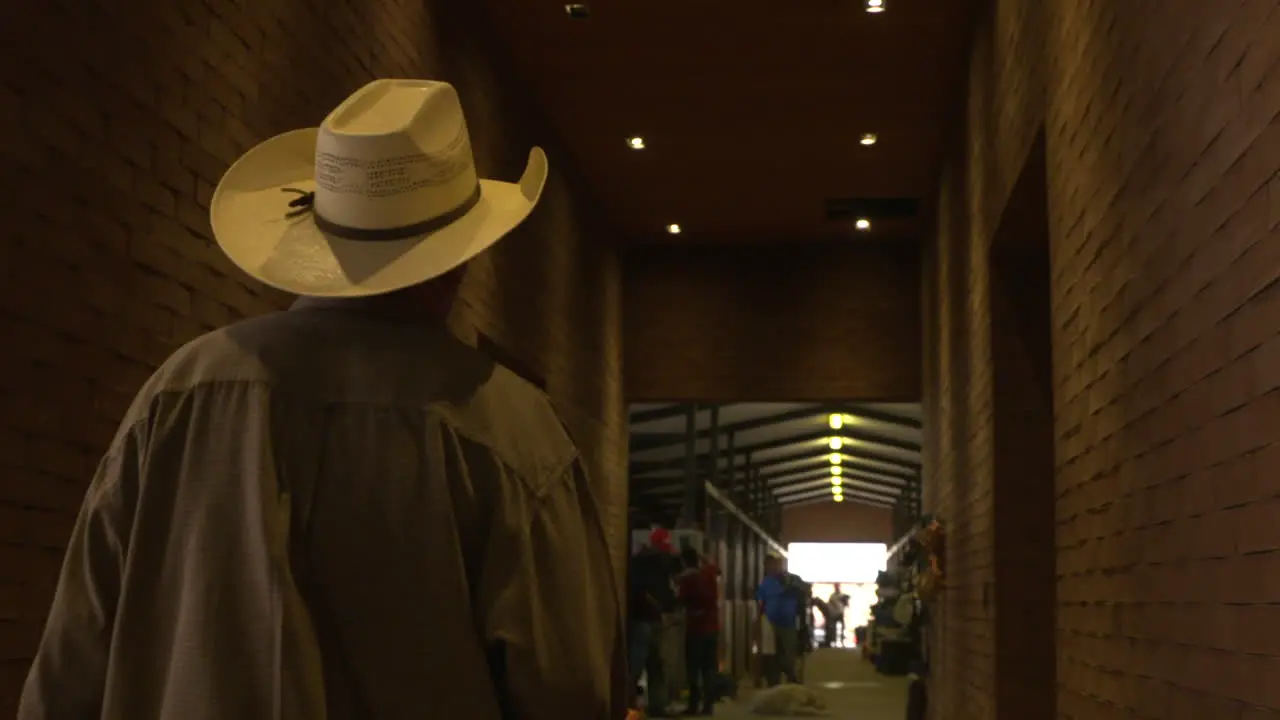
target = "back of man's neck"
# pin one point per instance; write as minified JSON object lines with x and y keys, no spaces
{"x":382,"y":306}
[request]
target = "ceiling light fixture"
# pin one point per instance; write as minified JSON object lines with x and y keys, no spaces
{"x":868,"y":139}
{"x":836,"y":421}
{"x":838,"y":498}
{"x":836,"y":490}
{"x":837,"y":481}
{"x":635,"y":142}
{"x":835,"y":443}
{"x":863,"y":224}
{"x":836,"y":458}
{"x":836,"y":472}
{"x":673,"y":229}
{"x":875,"y":6}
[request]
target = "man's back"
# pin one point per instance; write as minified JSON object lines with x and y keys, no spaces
{"x":700,"y":591}
{"x":780,"y":603}
{"x":653,"y":575}
{"x":317,"y":513}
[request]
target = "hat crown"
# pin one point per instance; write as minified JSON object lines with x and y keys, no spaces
{"x":394,"y":154}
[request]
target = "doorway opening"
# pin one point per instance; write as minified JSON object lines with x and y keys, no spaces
{"x":1025,"y":587}
{"x":843,"y":579}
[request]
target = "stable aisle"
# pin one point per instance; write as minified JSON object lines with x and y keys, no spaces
{"x":852,"y":688}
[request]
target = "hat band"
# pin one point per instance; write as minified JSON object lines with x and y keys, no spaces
{"x":425,"y":227}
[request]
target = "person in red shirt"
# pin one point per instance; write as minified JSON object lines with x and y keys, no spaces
{"x":700,"y":593}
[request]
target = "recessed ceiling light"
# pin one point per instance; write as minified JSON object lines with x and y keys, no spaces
{"x":836,"y":481}
{"x":836,"y":471}
{"x":578,"y":11}
{"x":635,"y":142}
{"x":875,"y":6}
{"x":838,"y":498}
{"x":674,"y":229}
{"x":836,"y":458}
{"x":863,"y":224}
{"x":835,"y":443}
{"x":869,"y":139}
{"x":836,"y":421}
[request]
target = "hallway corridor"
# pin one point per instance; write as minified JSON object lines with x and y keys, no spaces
{"x":1005,"y":273}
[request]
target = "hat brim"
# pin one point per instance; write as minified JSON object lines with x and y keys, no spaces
{"x":293,"y":255}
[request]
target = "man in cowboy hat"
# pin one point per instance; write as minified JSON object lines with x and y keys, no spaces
{"x":341,"y":511}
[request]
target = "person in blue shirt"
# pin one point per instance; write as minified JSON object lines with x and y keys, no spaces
{"x":779,"y":600}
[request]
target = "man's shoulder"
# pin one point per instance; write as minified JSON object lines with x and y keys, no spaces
{"x":244,"y":350}
{"x":185,"y":368}
{"x":517,"y":421}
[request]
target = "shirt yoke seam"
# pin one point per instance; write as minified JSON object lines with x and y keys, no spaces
{"x":557,"y":475}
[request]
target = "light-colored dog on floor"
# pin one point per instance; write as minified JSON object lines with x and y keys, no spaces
{"x":789,"y":701}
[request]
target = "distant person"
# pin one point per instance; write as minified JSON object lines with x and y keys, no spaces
{"x":837,"y":604}
{"x":342,"y":511}
{"x":700,"y":594}
{"x":653,"y":571}
{"x":780,"y":604}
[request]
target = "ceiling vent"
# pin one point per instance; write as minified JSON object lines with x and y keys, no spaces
{"x":872,"y":208}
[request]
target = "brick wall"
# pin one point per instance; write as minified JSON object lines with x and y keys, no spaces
{"x":846,"y":522}
{"x":778,"y":323}
{"x":1161,"y":147}
{"x":123,"y":123}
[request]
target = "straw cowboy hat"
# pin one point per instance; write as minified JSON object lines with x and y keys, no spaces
{"x":382,"y":196}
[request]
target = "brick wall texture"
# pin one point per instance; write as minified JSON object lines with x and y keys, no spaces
{"x":846,"y":522}
{"x":1161,"y":143}
{"x":772,"y":323}
{"x":118,"y":121}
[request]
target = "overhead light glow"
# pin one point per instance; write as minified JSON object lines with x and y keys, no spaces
{"x":836,"y":458}
{"x":836,"y":481}
{"x":635,"y":143}
{"x":837,"y":490}
{"x":836,"y":471}
{"x":835,"y":443}
{"x":875,"y":6}
{"x":869,"y":139}
{"x":838,"y":498}
{"x":674,"y":229}
{"x":863,"y":224}
{"x":836,"y":421}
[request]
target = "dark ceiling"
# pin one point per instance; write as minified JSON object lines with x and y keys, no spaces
{"x":789,"y":445}
{"x":752,"y":111}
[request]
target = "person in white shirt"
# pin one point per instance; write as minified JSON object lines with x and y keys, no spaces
{"x":836,"y":606}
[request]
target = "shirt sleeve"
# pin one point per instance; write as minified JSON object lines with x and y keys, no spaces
{"x":68,"y":673}
{"x":549,"y":605}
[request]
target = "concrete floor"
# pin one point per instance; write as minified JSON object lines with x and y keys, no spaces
{"x":851,"y":687}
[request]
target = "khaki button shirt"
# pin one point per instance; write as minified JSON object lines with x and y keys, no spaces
{"x":320,"y":514}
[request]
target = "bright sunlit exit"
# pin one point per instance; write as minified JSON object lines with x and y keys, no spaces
{"x":837,"y":562}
